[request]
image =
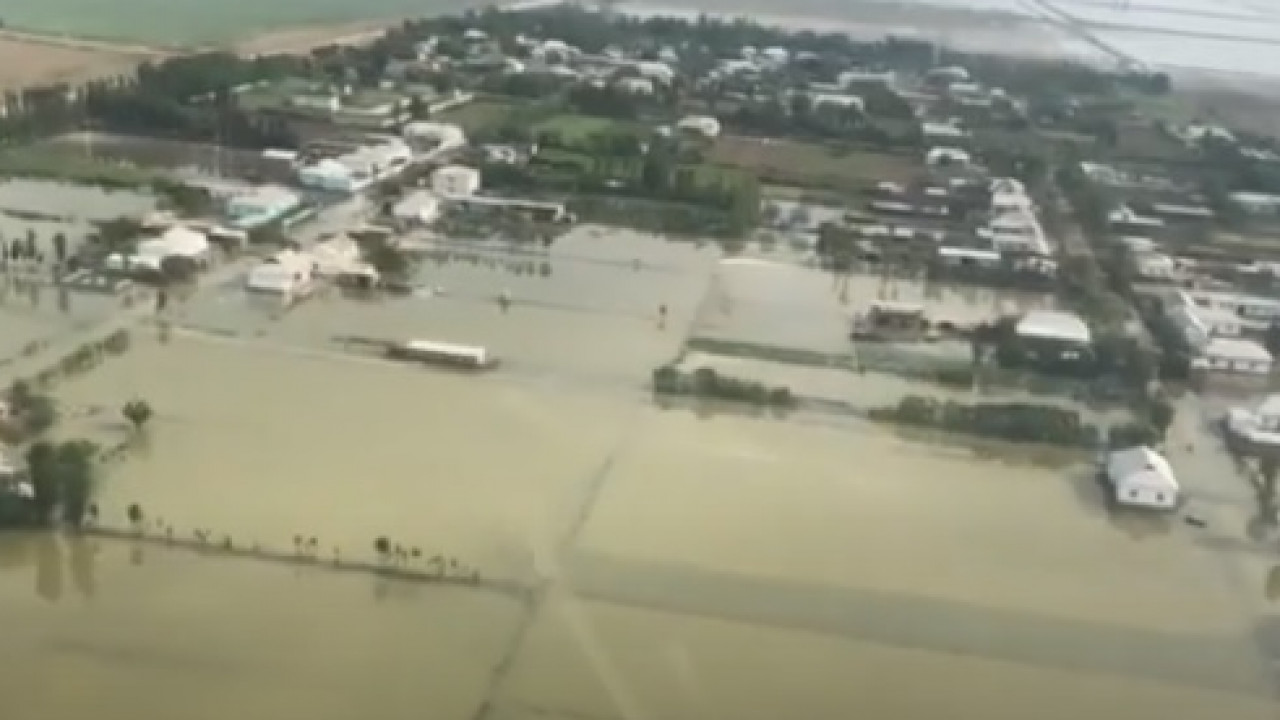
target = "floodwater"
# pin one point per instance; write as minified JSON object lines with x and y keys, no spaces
{"x":30,"y":309}
{"x":49,"y":208}
{"x":673,"y":563}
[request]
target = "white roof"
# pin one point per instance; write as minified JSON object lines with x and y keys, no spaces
{"x":971,"y":253}
{"x":433,"y":130}
{"x":942,"y":130}
{"x":1138,"y":244}
{"x":1053,"y":326}
{"x":1142,"y":467}
{"x":416,"y":203}
{"x":1269,"y":407}
{"x":940,"y":154}
{"x":1237,"y":349}
{"x":177,"y":240}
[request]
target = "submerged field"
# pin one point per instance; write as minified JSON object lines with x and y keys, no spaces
{"x":660,"y":562}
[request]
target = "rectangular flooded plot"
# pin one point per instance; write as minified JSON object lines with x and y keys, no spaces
{"x":780,"y":305}
{"x":853,"y":507}
{"x":595,"y":660}
{"x":590,"y":305}
{"x":100,"y":630}
{"x":263,"y":444}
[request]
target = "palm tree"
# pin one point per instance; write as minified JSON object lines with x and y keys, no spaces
{"x":135,"y":516}
{"x":137,"y":412}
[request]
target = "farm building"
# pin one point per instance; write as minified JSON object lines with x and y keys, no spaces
{"x":287,"y":273}
{"x":707,"y":127}
{"x":260,"y":205}
{"x":455,"y":181}
{"x":1054,"y":337}
{"x":1234,"y":355}
{"x":417,"y":208}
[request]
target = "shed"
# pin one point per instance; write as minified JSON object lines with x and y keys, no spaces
{"x":947,"y":156}
{"x":1056,"y":326}
{"x":286,"y":273}
{"x":1142,"y":477}
{"x":1237,"y":355}
{"x":418,"y":208}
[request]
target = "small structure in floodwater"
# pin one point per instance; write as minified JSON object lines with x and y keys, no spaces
{"x":468,"y":357}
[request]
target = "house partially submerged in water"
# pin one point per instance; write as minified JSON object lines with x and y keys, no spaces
{"x":1142,"y":477}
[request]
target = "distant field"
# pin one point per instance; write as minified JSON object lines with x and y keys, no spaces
{"x":477,"y":116}
{"x":574,"y":128}
{"x":786,"y":162}
{"x":188,"y":22}
{"x":64,"y":162}
{"x":28,"y":62}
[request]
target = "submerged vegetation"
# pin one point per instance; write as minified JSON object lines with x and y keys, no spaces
{"x":708,"y":384}
{"x":1020,"y":422}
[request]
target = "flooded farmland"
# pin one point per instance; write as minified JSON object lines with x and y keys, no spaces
{"x":657,"y":562}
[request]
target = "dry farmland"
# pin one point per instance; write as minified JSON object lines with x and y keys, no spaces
{"x":787,"y":162}
{"x":26,"y":60}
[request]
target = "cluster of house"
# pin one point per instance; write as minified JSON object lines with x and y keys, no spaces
{"x":1014,"y":227}
{"x":291,"y":274}
{"x":358,"y":168}
{"x":1223,"y":329}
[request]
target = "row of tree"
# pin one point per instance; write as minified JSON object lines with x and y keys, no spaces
{"x":1020,"y":422}
{"x":707,"y":383}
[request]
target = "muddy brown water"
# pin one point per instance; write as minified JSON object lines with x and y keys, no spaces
{"x":681,"y":565}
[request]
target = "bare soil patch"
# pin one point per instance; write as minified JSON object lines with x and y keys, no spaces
{"x":33,"y":60}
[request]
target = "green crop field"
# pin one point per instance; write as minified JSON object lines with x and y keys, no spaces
{"x":573,"y":128}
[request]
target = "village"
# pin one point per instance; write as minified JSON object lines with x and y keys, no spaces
{"x":690,"y":279}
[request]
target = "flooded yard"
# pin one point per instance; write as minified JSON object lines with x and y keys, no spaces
{"x":671,"y":562}
{"x":162,"y":634}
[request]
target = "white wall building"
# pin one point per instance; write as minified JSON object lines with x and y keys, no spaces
{"x":288,"y":273}
{"x":259,"y":205}
{"x":656,"y":72}
{"x":939,"y":156}
{"x":1156,"y":266}
{"x":636,"y":85}
{"x":441,"y":135}
{"x":706,"y":126}
{"x":455,"y":181}
{"x":1054,"y":326}
{"x":1256,"y":311}
{"x":329,"y":175}
{"x":835,"y":101}
{"x":1235,"y":356}
{"x":1258,"y":424}
{"x":1142,"y":477}
{"x":358,"y":169}
{"x":338,"y":257}
{"x":1200,"y":325}
{"x":417,"y":208}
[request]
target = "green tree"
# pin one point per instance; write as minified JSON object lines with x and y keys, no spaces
{"x":74,"y":463}
{"x":388,"y":260}
{"x":60,"y":247}
{"x":1162,"y":414}
{"x":135,"y":516}
{"x":41,"y":466}
{"x":137,"y":412}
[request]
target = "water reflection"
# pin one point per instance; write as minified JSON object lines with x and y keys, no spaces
{"x":49,"y":567}
{"x":82,"y":561}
